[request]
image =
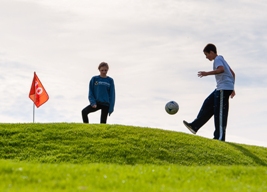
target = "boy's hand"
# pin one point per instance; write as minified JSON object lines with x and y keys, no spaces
{"x":232,"y":94}
{"x":202,"y":74}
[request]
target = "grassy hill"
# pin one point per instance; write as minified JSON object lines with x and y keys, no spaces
{"x":68,"y":157}
{"x":118,"y":144}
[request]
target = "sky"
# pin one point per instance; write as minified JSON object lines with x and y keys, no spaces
{"x":154,"y":51}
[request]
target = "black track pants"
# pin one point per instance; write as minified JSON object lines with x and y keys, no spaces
{"x":217,"y":104}
{"x":90,"y":109}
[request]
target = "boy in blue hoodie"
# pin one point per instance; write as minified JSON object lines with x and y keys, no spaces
{"x":101,"y":95}
{"x":217,"y":103}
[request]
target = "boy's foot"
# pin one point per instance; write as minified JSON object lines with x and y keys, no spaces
{"x":188,"y":125}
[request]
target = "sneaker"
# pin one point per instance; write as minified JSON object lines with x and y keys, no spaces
{"x":188,"y":125}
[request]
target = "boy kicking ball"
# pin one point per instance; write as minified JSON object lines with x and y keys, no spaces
{"x":217,"y":103}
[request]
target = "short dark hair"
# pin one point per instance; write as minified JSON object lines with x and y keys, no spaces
{"x":210,"y":47}
{"x":103,"y":64}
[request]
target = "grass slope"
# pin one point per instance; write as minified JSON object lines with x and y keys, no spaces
{"x":32,"y":177}
{"x":118,"y":144}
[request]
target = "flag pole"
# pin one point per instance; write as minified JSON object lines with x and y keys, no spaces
{"x":33,"y":113}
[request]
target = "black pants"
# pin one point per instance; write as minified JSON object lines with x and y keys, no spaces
{"x":217,"y":105}
{"x":90,"y":109}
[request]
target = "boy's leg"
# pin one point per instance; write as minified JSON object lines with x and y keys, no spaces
{"x":86,"y":111}
{"x":104,"y":114}
{"x":221,"y":108}
{"x":205,"y":113}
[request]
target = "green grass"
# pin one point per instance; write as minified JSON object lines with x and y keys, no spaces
{"x":142,"y":178}
{"x":80,"y":157}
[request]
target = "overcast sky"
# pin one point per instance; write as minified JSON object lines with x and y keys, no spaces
{"x":154,"y":49}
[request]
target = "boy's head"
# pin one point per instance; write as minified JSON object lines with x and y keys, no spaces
{"x":103,"y":69}
{"x":103,"y":64}
{"x":210,"y":51}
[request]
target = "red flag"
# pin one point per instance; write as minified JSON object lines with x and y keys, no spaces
{"x":38,"y":93}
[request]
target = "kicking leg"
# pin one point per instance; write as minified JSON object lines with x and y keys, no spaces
{"x":205,"y":113}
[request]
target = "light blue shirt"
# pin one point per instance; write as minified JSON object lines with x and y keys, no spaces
{"x":225,"y":80}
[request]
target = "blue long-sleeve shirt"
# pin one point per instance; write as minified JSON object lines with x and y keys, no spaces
{"x":102,"y":91}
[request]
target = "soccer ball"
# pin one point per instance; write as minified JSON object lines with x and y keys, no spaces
{"x":171,"y":107}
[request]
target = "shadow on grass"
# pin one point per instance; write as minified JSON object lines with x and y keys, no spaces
{"x":249,"y":154}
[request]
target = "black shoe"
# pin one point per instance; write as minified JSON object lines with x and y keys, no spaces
{"x":188,"y":125}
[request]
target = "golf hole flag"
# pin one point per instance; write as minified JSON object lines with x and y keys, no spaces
{"x":38,"y":93}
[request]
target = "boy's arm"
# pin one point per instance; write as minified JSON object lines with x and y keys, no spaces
{"x":218,"y":70}
{"x":233,"y":73}
{"x":91,"y":96}
{"x":112,"y":98}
